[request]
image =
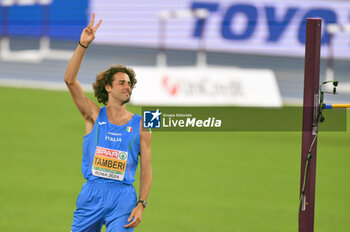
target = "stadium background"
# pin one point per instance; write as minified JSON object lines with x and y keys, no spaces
{"x":228,"y":181}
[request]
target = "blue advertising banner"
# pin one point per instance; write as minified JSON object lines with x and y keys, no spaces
{"x":59,"y":19}
{"x":269,"y":27}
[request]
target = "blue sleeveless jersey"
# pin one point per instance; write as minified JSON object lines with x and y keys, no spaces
{"x":110,"y":152}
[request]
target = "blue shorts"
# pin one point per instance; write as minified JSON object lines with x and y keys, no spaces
{"x":104,"y":203}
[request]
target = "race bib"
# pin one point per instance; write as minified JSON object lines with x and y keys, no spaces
{"x":109,"y":163}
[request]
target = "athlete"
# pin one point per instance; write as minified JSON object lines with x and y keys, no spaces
{"x":113,"y":143}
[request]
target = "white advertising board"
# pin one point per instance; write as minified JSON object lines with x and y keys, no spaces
{"x":255,"y":27}
{"x":185,"y":86}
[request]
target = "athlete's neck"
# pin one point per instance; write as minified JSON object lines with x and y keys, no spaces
{"x":118,"y":114}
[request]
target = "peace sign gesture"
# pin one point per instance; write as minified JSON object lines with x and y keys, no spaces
{"x":88,"y":34}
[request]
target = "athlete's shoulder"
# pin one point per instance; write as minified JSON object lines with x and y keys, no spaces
{"x":137,"y":116}
{"x":102,"y":112}
{"x":134,"y":116}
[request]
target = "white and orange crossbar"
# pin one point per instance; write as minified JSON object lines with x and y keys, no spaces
{"x":331,"y":106}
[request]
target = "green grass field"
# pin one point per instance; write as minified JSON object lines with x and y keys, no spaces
{"x":212,"y":181}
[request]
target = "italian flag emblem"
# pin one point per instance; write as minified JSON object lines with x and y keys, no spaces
{"x":129,"y":129}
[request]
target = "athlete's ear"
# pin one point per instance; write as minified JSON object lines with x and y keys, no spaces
{"x":108,"y":88}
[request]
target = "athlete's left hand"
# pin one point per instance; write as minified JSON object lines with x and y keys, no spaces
{"x":135,"y":216}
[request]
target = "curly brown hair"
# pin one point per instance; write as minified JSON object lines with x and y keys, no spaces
{"x":106,"y":78}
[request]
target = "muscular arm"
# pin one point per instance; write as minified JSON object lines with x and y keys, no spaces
{"x":145,"y":176}
{"x":87,"y":108}
{"x":146,"y":168}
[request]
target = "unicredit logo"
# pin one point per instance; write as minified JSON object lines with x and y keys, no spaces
{"x":172,"y":88}
{"x":206,"y":87}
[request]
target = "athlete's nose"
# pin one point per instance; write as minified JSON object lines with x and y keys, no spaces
{"x":127,"y":88}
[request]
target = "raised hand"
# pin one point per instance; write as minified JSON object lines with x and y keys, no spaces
{"x":88,"y":34}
